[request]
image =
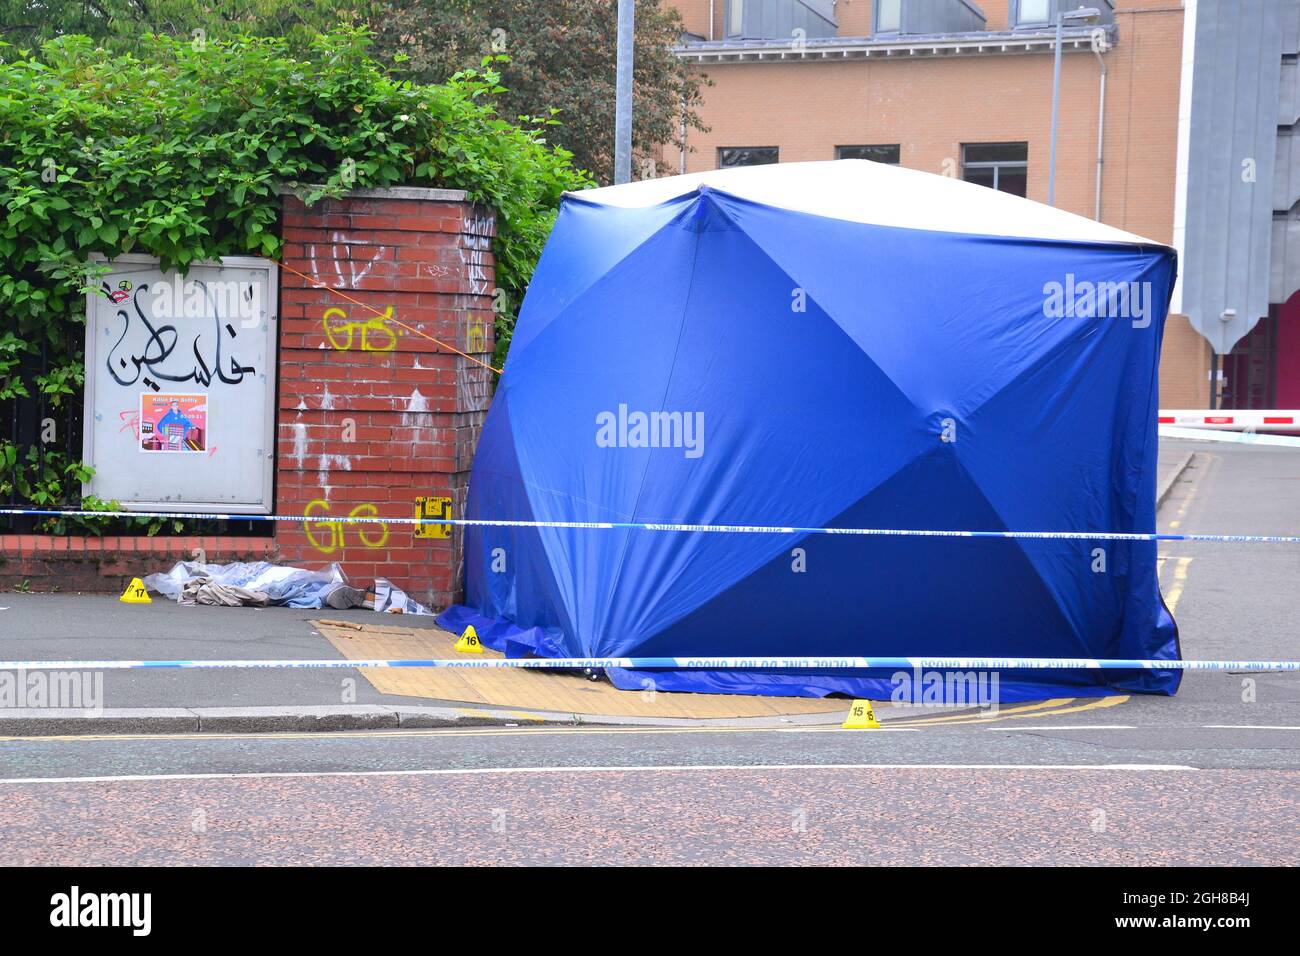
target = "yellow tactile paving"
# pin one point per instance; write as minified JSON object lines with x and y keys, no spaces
{"x":524,"y":690}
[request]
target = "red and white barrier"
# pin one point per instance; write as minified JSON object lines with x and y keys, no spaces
{"x":1276,"y":421}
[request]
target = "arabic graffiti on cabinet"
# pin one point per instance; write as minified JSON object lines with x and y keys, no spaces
{"x":151,"y":349}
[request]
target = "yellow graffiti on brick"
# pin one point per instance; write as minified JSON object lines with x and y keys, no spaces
{"x":372,"y":335}
{"x":334,"y":530}
{"x":476,"y":336}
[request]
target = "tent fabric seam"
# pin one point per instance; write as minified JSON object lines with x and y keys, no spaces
{"x":636,"y":502}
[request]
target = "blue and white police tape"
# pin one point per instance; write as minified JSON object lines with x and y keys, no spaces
{"x":687,"y":663}
{"x":663,"y":526}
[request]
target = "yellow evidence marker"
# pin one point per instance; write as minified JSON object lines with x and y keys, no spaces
{"x":861,"y":717}
{"x":469,"y":642}
{"x":136,"y":593}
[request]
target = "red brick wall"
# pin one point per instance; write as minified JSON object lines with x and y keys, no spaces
{"x":39,"y":562}
{"x":372,"y":411}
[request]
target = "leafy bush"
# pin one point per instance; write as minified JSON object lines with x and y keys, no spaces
{"x":178,"y":148}
{"x":562,"y":52}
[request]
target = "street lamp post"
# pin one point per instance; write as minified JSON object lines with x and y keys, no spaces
{"x":623,"y":93}
{"x":1082,"y":15}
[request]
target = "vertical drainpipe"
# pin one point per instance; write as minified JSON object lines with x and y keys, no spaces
{"x":1056,"y":107}
{"x":1183,"y":160}
{"x":681,"y":161}
{"x":1101,"y":128}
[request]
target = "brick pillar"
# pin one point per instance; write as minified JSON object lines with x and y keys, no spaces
{"x":371,"y":414}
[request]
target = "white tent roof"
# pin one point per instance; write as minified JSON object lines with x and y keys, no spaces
{"x":861,"y":191}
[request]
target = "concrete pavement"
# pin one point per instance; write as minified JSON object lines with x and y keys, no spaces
{"x":98,"y":627}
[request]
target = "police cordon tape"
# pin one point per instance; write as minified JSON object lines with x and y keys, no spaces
{"x":664,"y":526}
{"x":1237,"y":438}
{"x":689,"y":663}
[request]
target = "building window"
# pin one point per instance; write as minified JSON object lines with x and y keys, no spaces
{"x":735,"y":17}
{"x":1030,"y":12}
{"x":877,"y":154}
{"x":729,"y":156}
{"x":889,"y":16}
{"x":1001,"y":166}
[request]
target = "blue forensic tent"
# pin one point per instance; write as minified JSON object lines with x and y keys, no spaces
{"x":841,"y":344}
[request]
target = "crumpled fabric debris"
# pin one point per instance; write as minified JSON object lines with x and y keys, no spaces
{"x":279,"y":585}
{"x":206,"y":591}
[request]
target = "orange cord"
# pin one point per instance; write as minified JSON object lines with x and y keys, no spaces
{"x":383,"y":315}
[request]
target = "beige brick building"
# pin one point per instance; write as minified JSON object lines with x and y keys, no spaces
{"x":972,"y":102}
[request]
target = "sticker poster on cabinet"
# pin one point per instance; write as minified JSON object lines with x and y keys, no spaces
{"x":173,"y":423}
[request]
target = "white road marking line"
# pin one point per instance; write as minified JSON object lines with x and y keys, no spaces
{"x":504,"y":731}
{"x":875,"y":730}
{"x":1245,"y":727}
{"x":669,"y":768}
{"x":1015,"y":729}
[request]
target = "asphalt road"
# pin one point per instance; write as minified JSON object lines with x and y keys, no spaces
{"x":1211,"y":776}
{"x":956,"y":795}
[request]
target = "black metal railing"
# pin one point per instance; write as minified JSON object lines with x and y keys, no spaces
{"x":38,"y":427}
{"x":45,"y":432}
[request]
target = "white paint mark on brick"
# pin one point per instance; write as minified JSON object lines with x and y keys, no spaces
{"x":299,"y":442}
{"x":416,"y":403}
{"x":418,"y":418}
{"x":342,"y":255}
{"x":473,"y":388}
{"x":323,"y":470}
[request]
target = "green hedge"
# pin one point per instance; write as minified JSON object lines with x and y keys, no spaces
{"x":178,"y":149}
